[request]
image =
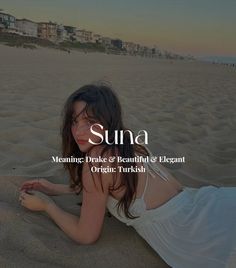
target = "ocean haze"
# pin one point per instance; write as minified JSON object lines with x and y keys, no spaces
{"x":219,"y":59}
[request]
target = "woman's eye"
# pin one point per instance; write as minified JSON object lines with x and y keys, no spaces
{"x":74,"y":122}
{"x":91,"y":122}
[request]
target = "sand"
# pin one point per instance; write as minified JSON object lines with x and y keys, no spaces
{"x":187,"y":108}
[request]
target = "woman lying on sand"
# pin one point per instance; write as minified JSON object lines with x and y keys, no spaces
{"x":188,"y":227}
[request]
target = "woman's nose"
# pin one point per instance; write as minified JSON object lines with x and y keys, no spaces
{"x":81,"y":130}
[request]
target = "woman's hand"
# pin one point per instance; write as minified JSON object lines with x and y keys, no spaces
{"x":34,"y":200}
{"x":41,"y":185}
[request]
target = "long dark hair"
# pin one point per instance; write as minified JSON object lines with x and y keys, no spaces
{"x":103,"y":105}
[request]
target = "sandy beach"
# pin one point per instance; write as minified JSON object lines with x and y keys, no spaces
{"x":187,"y":107}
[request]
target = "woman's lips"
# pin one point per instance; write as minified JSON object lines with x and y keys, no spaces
{"x":81,"y":141}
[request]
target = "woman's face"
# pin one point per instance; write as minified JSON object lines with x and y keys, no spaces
{"x":80,"y":128}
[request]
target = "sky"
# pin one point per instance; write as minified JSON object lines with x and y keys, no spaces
{"x":196,"y":27}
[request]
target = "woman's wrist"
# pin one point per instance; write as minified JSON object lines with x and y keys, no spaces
{"x":49,"y":207}
{"x":63,"y":189}
{"x":72,"y":190}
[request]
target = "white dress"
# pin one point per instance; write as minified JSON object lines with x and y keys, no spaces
{"x":196,"y":228}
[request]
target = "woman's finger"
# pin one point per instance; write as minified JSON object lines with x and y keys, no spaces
{"x":30,"y":186}
{"x":22,"y":193}
{"x":26,"y":182}
{"x":29,"y":183}
{"x":25,"y":187}
{"x":29,"y":192}
{"x":24,"y":198}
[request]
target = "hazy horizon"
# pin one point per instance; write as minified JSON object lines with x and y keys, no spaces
{"x":202,"y":28}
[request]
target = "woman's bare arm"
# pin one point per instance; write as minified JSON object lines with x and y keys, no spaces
{"x":65,"y":189}
{"x":47,"y":187}
{"x":67,"y":222}
{"x":85,"y":229}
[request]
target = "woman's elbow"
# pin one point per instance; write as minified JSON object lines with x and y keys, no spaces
{"x":87,"y":240}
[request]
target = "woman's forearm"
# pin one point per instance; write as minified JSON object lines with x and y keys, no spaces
{"x":67,"y":222}
{"x":64,"y":189}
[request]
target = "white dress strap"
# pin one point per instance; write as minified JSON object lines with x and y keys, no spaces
{"x":147,"y":177}
{"x":156,"y":168}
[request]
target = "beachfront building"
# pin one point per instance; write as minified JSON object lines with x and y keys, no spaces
{"x":88,"y":36}
{"x":96,"y":38}
{"x":61,"y":33}
{"x":70,"y":32}
{"x":130,"y":47}
{"x":47,"y":30}
{"x":156,"y":52}
{"x":107,"y":41}
{"x":27,"y":27}
{"x":148,"y":52}
{"x":145,"y":51}
{"x":84,"y":36}
{"x":1,"y":27}
{"x":117,"y":43}
{"x":7,"y":22}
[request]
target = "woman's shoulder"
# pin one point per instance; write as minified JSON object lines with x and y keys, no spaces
{"x":99,"y":156}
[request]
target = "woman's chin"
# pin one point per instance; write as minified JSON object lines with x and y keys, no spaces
{"x":83,"y":147}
